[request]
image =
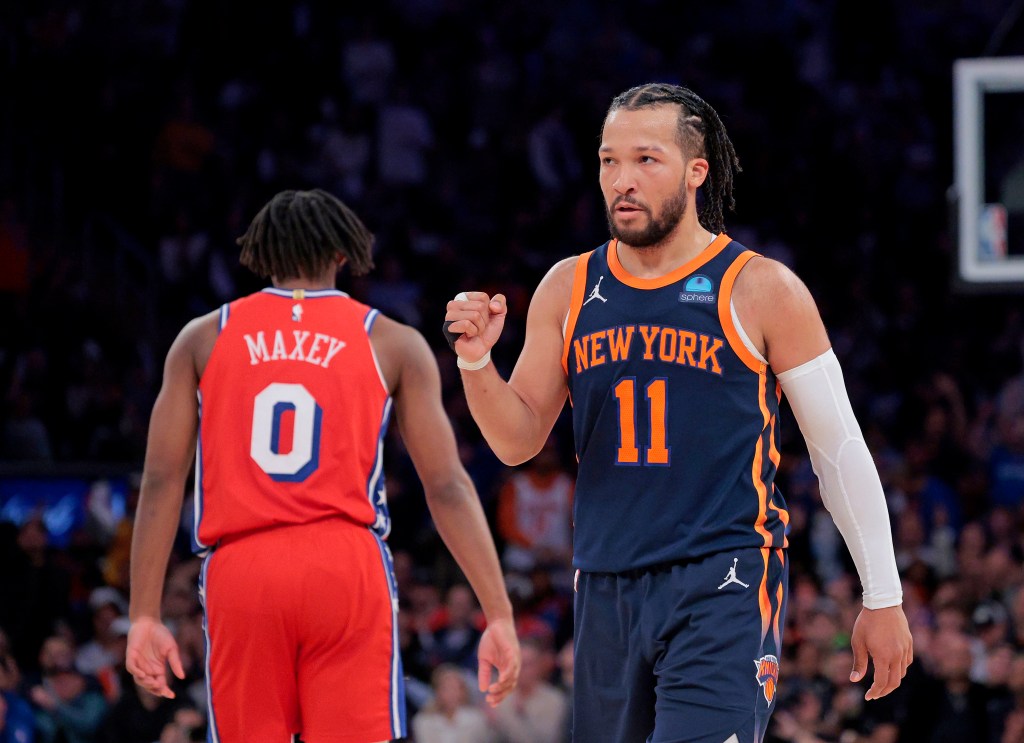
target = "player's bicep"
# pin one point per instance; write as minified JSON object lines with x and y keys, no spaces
{"x":785,"y":312}
{"x":422,"y":420}
{"x":173,"y":425}
{"x":538,"y":377}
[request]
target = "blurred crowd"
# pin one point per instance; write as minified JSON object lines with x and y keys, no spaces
{"x":138,"y":138}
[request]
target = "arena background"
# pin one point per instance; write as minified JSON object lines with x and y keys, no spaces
{"x":138,"y":138}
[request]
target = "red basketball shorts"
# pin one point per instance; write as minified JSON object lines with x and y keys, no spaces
{"x":301,"y":637}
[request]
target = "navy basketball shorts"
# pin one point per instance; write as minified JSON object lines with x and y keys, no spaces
{"x":687,"y":651}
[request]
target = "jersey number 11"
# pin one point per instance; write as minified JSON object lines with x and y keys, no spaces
{"x":656,"y":392}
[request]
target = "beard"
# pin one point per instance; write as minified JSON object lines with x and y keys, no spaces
{"x":657,"y":228}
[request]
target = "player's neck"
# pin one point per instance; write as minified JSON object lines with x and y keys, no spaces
{"x":684,"y":244}
{"x":309,"y":284}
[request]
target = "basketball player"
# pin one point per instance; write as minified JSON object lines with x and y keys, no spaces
{"x":284,"y":396}
{"x":672,"y":341}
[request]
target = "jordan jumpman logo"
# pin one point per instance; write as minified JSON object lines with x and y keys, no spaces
{"x":596,"y":292}
{"x":731,"y":576}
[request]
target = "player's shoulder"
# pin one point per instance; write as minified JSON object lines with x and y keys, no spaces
{"x":200,"y":331}
{"x":400,"y":349}
{"x":772,"y":300}
{"x":560,"y":275}
{"x":555,"y":289}
{"x":203,"y":322}
{"x":769,"y":279}
{"x":565,"y":266}
{"x":563,"y":272}
{"x":393,"y":332}
{"x":192,"y":347}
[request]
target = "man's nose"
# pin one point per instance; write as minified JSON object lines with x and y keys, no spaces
{"x":625,"y":181}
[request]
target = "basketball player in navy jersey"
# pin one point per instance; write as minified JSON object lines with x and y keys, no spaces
{"x":675,"y":344}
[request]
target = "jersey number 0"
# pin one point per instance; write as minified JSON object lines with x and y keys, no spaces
{"x":284,"y":460}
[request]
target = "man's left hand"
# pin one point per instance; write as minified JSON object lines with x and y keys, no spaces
{"x":884,"y":635}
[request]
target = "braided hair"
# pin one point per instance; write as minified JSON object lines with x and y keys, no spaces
{"x":300,"y":234}
{"x":700,"y":132}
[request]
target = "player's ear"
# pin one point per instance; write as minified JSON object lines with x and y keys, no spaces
{"x":696,"y":172}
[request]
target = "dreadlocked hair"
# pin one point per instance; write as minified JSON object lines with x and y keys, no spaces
{"x":300,"y":234}
{"x":702,"y":134}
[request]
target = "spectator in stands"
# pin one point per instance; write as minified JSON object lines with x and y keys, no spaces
{"x":566,"y":666}
{"x":450,"y":717}
{"x":1006,"y":462}
{"x":180,"y":600}
{"x":536,"y":711}
{"x":69,"y":706}
{"x":990,"y":630}
{"x":17,"y":723}
{"x":37,"y":591}
{"x":553,"y":159}
{"x":105,"y":648}
{"x":404,"y":140}
{"x":138,"y":715}
{"x":103,"y":656}
{"x":14,"y":250}
{"x":535,"y":514}
{"x":345,"y":148}
{"x":802,"y":722}
{"x":455,"y":639}
{"x":956,"y":707}
{"x":24,"y":437}
{"x":368,"y":64}
{"x":10,"y":674}
{"x":187,"y":726}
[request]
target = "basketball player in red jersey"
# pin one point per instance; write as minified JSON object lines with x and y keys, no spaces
{"x":284,"y":396}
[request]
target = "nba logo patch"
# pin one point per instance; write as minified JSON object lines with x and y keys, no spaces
{"x":768,"y":675}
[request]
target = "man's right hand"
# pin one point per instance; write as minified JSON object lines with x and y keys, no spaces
{"x":499,"y":651}
{"x":151,"y":646}
{"x":478,"y":319}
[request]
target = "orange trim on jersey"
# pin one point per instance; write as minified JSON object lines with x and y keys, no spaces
{"x":725,"y":313}
{"x":579,"y":288}
{"x":784,"y":517}
{"x":778,"y":605}
{"x":775,"y":457}
{"x":619,"y":271}
{"x":763,"y":600}
{"x":773,"y":451}
{"x":757,"y":468}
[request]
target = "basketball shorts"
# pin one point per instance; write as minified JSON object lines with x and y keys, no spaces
{"x":681,"y":652}
{"x":301,"y":637}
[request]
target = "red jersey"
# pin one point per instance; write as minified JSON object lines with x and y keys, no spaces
{"x":293,"y":408}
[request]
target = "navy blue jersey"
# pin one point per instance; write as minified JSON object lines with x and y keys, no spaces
{"x":675,"y":421}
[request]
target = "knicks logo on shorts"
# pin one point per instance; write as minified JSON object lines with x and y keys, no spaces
{"x":768,"y":675}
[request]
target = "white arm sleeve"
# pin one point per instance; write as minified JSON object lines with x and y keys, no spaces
{"x":848,"y":479}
